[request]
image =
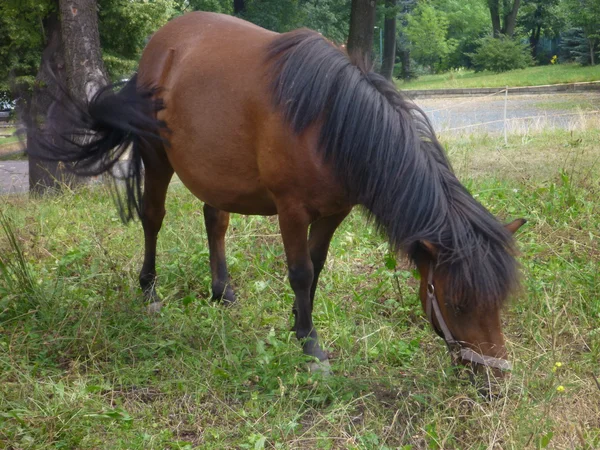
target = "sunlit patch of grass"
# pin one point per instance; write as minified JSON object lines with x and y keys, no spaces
{"x":83,"y":366}
{"x":531,"y":76}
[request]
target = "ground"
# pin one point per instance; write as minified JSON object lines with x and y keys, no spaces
{"x":83,"y":366}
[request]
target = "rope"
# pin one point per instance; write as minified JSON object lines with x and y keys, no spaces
{"x":522,"y":118}
{"x":473,"y":99}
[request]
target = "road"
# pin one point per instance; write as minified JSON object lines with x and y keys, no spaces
{"x":448,"y":115}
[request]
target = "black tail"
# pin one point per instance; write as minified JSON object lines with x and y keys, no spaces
{"x":94,"y":136}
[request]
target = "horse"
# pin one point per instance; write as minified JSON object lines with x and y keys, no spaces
{"x":259,"y":123}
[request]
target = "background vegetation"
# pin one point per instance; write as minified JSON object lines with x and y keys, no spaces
{"x":433,"y":36}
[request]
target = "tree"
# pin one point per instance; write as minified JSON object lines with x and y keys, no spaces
{"x":81,"y":38}
{"x":72,"y":58}
{"x":389,"y":39}
{"x":468,"y":21}
{"x":427,"y":31}
{"x":403,"y":43}
{"x":585,"y":14}
{"x":47,"y":175}
{"x":504,"y":16}
{"x":540,"y":18}
{"x":362,"y":21}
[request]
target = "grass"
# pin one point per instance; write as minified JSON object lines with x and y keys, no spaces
{"x":83,"y":366}
{"x":10,"y":145}
{"x":531,"y":76}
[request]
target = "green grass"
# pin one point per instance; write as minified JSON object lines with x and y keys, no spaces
{"x":9,"y":144}
{"x":532,"y":76}
{"x":83,"y":366}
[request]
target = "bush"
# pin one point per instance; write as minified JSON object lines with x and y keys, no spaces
{"x":500,"y":55}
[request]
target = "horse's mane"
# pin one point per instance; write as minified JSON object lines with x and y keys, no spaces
{"x":384,"y":150}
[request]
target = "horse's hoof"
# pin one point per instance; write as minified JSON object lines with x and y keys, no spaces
{"x":154,"y":307}
{"x":227,"y":298}
{"x":322,"y":367}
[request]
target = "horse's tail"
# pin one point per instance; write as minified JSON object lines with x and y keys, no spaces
{"x":93,"y":137}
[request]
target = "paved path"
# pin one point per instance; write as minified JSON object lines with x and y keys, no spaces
{"x":523,"y":113}
{"x":14,"y":177}
{"x":448,"y":115}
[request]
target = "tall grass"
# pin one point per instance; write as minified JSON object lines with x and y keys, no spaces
{"x":83,"y":366}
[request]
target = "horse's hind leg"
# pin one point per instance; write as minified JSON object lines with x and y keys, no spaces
{"x":157,"y":175}
{"x":217,"y":222}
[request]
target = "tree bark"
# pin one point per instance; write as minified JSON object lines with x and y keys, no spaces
{"x":85,"y":68}
{"x":592,"y":51}
{"x":534,"y":39}
{"x":389,"y":40}
{"x":510,"y":19}
{"x":362,"y":21}
{"x":494,"y":6}
{"x":239,"y":7}
{"x":405,"y":72}
{"x":47,"y":176}
{"x":72,"y":58}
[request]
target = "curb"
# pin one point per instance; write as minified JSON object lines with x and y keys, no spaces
{"x":522,"y":90}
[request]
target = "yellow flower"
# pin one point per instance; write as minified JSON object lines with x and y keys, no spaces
{"x":560,"y":388}
{"x":558,"y":364}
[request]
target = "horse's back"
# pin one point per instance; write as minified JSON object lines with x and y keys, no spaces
{"x":229,"y":144}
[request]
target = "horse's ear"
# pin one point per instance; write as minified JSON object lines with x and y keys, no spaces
{"x":430,"y":248}
{"x":515,"y":225}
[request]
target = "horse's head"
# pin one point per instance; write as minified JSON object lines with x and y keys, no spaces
{"x":472,"y":331}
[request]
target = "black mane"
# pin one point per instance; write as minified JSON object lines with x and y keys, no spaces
{"x":384,"y":150}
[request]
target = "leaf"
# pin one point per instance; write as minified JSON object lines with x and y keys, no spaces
{"x":545,"y":439}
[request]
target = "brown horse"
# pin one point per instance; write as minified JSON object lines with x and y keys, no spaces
{"x":255,"y":122}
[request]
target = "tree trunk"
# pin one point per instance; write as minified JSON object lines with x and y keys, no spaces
{"x":510,"y":19}
{"x":362,"y":21}
{"x":494,"y":6}
{"x":592,"y":51}
{"x":534,"y":39}
{"x":47,"y":176}
{"x":405,"y":72}
{"x":85,"y":68}
{"x":239,"y":7}
{"x":389,"y":40}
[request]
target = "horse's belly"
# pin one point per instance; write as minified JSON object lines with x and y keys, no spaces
{"x":224,"y":187}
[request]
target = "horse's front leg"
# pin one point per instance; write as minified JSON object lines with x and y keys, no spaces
{"x":294,"y":223}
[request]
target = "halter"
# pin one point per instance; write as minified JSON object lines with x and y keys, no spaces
{"x":455,"y":346}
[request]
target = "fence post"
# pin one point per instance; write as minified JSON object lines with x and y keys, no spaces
{"x":505,"y":104}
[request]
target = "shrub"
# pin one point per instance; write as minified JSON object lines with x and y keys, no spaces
{"x":501,"y":54}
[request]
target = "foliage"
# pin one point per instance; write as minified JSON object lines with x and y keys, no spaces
{"x":541,"y":18}
{"x":501,"y":54}
{"x":575,"y":47}
{"x":329,"y":17}
{"x":468,"y":20}
{"x":585,"y":14}
{"x":427,"y":32}
{"x":136,"y":19}
{"x":21,"y":39}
